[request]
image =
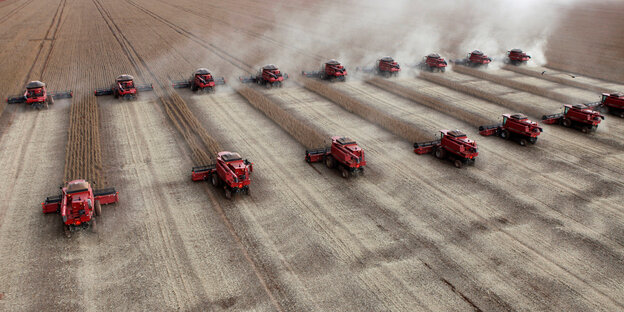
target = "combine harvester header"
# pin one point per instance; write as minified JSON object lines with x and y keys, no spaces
{"x":37,"y":95}
{"x":125,"y":88}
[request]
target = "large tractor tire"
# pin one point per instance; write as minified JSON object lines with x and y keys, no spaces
{"x":344,"y":172}
{"x":523,"y":142}
{"x":458,"y":163}
{"x":330,"y":162}
{"x":440,"y":153}
{"x":505,"y":134}
{"x":567,"y":122}
{"x":98,"y":208}
{"x":228,"y":193}
{"x":216,"y":181}
{"x":94,"y":226}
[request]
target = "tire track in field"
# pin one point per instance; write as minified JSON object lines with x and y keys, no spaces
{"x":185,"y":123}
{"x":7,"y":16}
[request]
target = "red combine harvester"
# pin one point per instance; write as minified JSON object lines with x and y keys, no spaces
{"x":433,"y":62}
{"x":78,"y":204}
{"x":268,"y":75}
{"x":515,"y":126}
{"x":578,"y":116}
{"x":343,"y":152}
{"x":124,"y":88}
{"x":517,"y":57}
{"x":37,"y":96}
{"x":230,"y":172}
{"x":385,"y":66}
{"x":201,"y":80}
{"x":453,"y":145}
{"x":474,"y":59}
{"x":331,"y":70}
{"x":614,"y":103}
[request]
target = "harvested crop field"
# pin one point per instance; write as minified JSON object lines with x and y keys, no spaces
{"x":535,"y":227}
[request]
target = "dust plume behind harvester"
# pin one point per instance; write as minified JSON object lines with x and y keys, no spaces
{"x":514,"y":126}
{"x":453,"y":145}
{"x":344,"y":154}
{"x":200,"y":80}
{"x":125,"y":88}
{"x":37,"y":95}
{"x":79,"y":205}
{"x":269,"y":76}
{"x":231,"y":172}
{"x":331,"y":70}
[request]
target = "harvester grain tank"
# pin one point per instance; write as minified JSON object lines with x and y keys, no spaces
{"x":453,"y":145}
{"x":269,"y":76}
{"x":37,"y":95}
{"x":331,"y":70}
{"x":79,"y":205}
{"x":200,"y":80}
{"x":578,"y":116}
{"x":514,"y":126}
{"x":125,"y":88}
{"x":344,"y":154}
{"x":230,"y":172}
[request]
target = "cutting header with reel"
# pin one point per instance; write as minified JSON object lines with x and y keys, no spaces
{"x":37,"y":96}
{"x":125,"y":88}
{"x":332,"y":70}
{"x":269,"y":76}
{"x":201,"y":80}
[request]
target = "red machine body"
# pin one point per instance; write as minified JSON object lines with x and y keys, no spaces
{"x":343,"y":153}
{"x":474,"y":59}
{"x":78,"y":204}
{"x":453,"y":145}
{"x":37,"y":96}
{"x":201,"y":80}
{"x":517,"y":57}
{"x":433,"y":62}
{"x":614,"y":103}
{"x":125,"y":88}
{"x":331,"y":70}
{"x":515,"y":126}
{"x":577,"y":116}
{"x":230,"y":172}
{"x":387,"y":66}
{"x":269,"y":76}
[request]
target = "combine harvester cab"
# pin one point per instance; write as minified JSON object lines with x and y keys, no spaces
{"x":517,"y":57}
{"x":516,"y":126}
{"x":453,"y":145}
{"x":577,"y":116}
{"x":269,"y":76}
{"x":230,"y":172}
{"x":385,"y":67}
{"x":433,"y":62}
{"x":475,"y":58}
{"x":343,"y":153}
{"x":125,"y":88}
{"x":78,"y":204}
{"x":332,"y":70}
{"x":37,"y":96}
{"x":201,"y":80}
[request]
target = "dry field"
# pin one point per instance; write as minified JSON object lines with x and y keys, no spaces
{"x":525,"y":228}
